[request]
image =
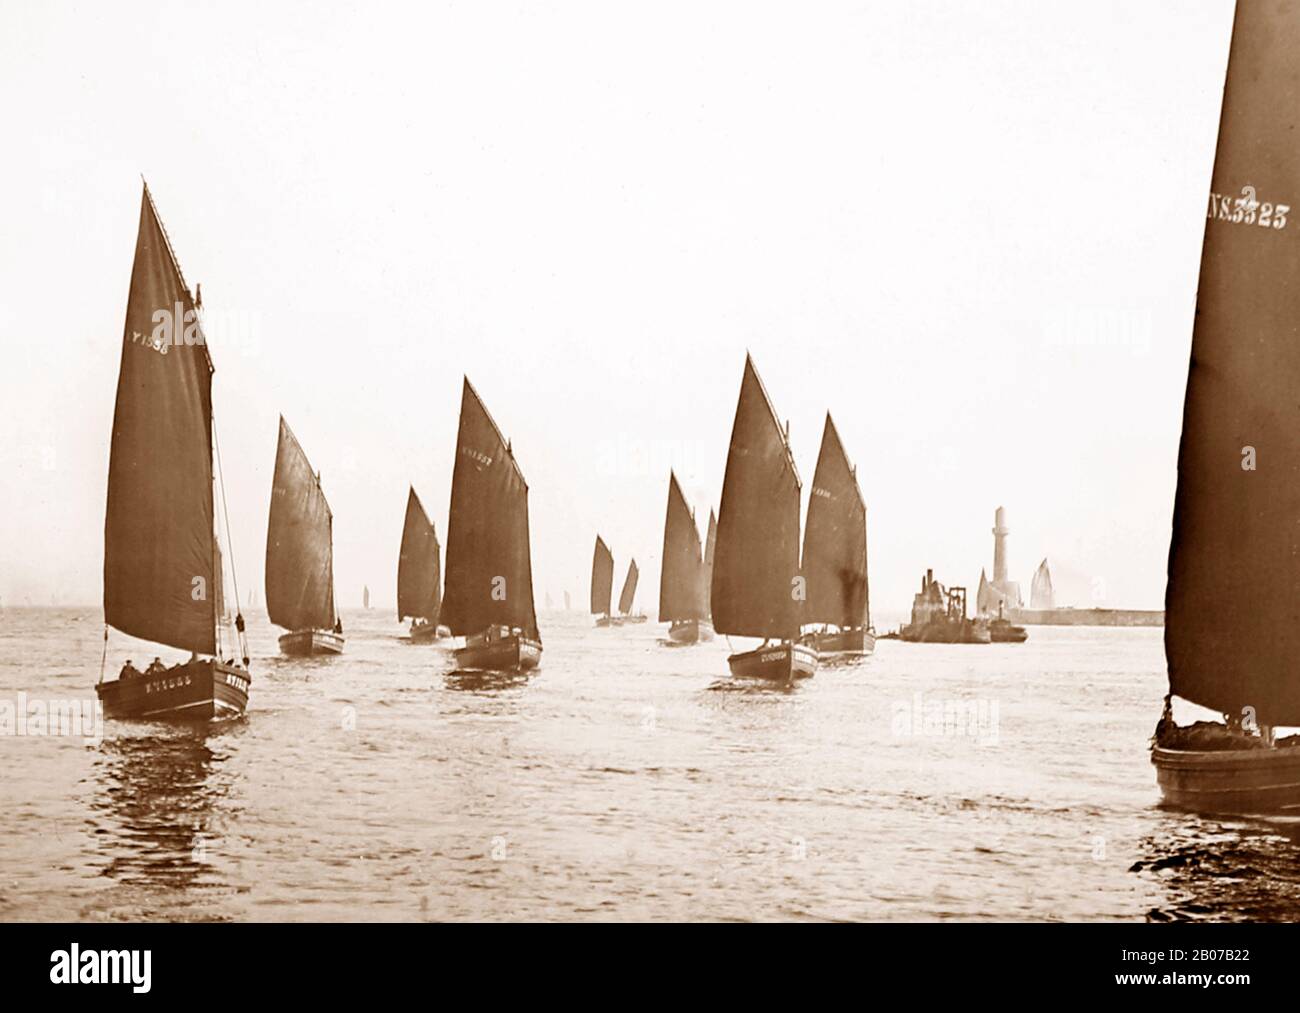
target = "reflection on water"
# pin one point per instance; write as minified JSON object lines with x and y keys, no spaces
{"x":473,"y":680}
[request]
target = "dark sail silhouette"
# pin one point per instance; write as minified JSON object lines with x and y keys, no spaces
{"x":710,"y":547}
{"x":835,"y":541}
{"x":159,"y":574}
{"x":419,"y":567}
{"x":628,"y":594}
{"x":757,"y":554}
{"x":489,"y":579}
{"x":299,"y":543}
{"x":1231,"y":631}
{"x":681,"y":592}
{"x":602,"y":579}
{"x":163,"y":573}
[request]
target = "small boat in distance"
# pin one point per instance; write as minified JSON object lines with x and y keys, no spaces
{"x":419,"y":573}
{"x":756,"y":576}
{"x":488,"y":598}
{"x":682,"y":588}
{"x":162,"y":561}
{"x":1231,"y":639}
{"x":835,"y":555}
{"x":627,"y":597}
{"x":602,"y":583}
{"x":365,"y":596}
{"x":300,"y":555}
{"x":1003,"y":631}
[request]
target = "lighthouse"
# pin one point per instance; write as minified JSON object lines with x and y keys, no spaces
{"x":1000,"y":533}
{"x":999,"y":591}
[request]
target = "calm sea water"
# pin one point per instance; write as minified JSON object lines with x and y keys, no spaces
{"x":623,"y":780}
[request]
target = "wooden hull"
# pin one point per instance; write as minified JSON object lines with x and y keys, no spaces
{"x":301,"y":643}
{"x":428,"y":633}
{"x":605,"y":622}
{"x":825,"y":642}
{"x":633,"y":619}
{"x":690,"y":631}
{"x":1238,"y":781}
{"x":781,"y":662}
{"x":512,"y":653}
{"x":196,"y":691}
{"x":1005,"y":633}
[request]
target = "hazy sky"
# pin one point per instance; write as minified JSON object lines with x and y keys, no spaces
{"x":970,"y":230}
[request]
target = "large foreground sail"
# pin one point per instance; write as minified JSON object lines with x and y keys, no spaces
{"x":489,"y":582}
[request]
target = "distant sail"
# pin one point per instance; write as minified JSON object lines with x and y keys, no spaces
{"x":628,"y":594}
{"x":681,"y":591}
{"x":602,"y":578}
{"x":757,"y":554}
{"x":299,"y":543}
{"x":365,"y":596}
{"x":835,"y":541}
{"x":1231,"y":638}
{"x":489,"y":562}
{"x":160,"y":572}
{"x":710,"y":545}
{"x":1041,"y":595}
{"x":568,"y":602}
{"x":419,"y":566}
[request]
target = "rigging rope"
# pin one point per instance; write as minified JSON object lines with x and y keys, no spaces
{"x":230,"y":543}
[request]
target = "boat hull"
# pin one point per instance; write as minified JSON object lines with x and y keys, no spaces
{"x":852,"y":641}
{"x":1238,"y":781}
{"x":1005,"y":633}
{"x":427,"y":633}
{"x":690,"y":631}
{"x":512,"y":653}
{"x":195,"y":691}
{"x":302,"y":643}
{"x":781,"y":662}
{"x":947,"y":632}
{"x":638,"y":618}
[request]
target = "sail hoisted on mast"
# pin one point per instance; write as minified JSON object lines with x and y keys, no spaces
{"x":835,"y":541}
{"x":299,"y":543}
{"x":757,"y":554}
{"x":602,"y":578}
{"x":160,"y":577}
{"x":1231,"y":635}
{"x":489,"y":563}
{"x":419,"y":578}
{"x":681,"y":588}
{"x":628,"y":594}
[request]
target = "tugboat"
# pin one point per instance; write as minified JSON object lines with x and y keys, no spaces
{"x":300,"y":555}
{"x":1231,"y":639}
{"x":1002,"y":632}
{"x":939,"y":617}
{"x":163,"y":574}
{"x":756,"y":566}
{"x":488,"y":598}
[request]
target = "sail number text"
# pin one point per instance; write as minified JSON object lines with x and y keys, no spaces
{"x":1248,"y":210}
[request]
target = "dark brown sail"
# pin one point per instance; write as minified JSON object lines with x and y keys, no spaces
{"x":602,"y":578}
{"x":299,"y":543}
{"x":1232,"y":627}
{"x":419,"y":577}
{"x":835,"y":540}
{"x":680,"y":591}
{"x":489,"y":565}
{"x":628,"y":593}
{"x":757,"y":553}
{"x":710,"y":547}
{"x":159,"y":573}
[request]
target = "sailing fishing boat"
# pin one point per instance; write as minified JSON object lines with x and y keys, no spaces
{"x":162,"y":569}
{"x":628,"y":595}
{"x":835,"y":555}
{"x":602,"y":584}
{"x":300,"y":555}
{"x":489,"y":593}
{"x":1230,"y":636}
{"x":419,"y":573}
{"x":756,"y":580}
{"x":710,"y":545}
{"x":682,"y":590}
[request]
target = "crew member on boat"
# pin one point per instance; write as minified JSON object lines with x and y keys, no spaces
{"x":129,"y":671}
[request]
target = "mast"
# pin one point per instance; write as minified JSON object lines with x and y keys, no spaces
{"x":1231,"y":636}
{"x":757,"y":552}
{"x":602,"y":579}
{"x":489,"y":565}
{"x":160,"y":574}
{"x":680,"y":583}
{"x":299,"y":543}
{"x":835,"y":541}
{"x":419,"y":591}
{"x":628,"y":593}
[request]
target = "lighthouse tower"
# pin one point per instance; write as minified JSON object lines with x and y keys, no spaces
{"x":1000,"y":532}
{"x":999,"y":591}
